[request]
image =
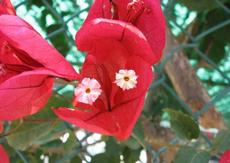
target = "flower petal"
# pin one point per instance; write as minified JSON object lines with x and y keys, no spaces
{"x":23,"y":37}
{"x":100,"y":9}
{"x":94,"y":121}
{"x":3,"y":155}
{"x":151,"y":22}
{"x":145,"y":76}
{"x":126,"y":116}
{"x":118,"y":123}
{"x":101,"y":35}
{"x":225,"y":158}
{"x":105,"y":68}
{"x":6,"y":8}
{"x":24,"y":94}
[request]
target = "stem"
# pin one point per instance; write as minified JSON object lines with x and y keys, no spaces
{"x":12,"y":130}
{"x":62,"y":82}
{"x":138,"y":140}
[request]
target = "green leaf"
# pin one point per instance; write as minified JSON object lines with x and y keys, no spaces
{"x":60,"y":41}
{"x":160,"y":99}
{"x":132,"y":143}
{"x":111,"y":146}
{"x":183,"y":125}
{"x":39,"y":128}
{"x":57,"y":146}
{"x":137,"y":138}
{"x":35,"y":2}
{"x":56,"y":101}
{"x":76,"y":159}
{"x":59,"y":130}
{"x":113,"y":150}
{"x":131,"y":156}
{"x":222,"y":142}
{"x":27,"y":135}
{"x":200,"y":5}
{"x":71,"y":142}
{"x":213,"y":18}
{"x":52,"y":145}
{"x":191,"y":155}
{"x":227,"y":118}
{"x":103,"y":158}
{"x":34,"y":157}
{"x":214,"y":44}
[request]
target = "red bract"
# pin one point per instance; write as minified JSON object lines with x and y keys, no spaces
{"x":27,"y":65}
{"x":146,"y":15}
{"x":225,"y":158}
{"x":105,"y":29}
{"x":1,"y":127}
{"x":3,"y":155}
{"x":6,"y":8}
{"x":111,"y":46}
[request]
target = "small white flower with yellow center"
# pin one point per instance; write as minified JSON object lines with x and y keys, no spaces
{"x":2,"y":69}
{"x":126,"y":79}
{"x":88,"y":91}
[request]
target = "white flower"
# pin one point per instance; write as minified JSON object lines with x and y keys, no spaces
{"x":126,"y":79}
{"x":88,"y":91}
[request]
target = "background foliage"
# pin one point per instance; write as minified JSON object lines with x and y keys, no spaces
{"x":168,"y":130}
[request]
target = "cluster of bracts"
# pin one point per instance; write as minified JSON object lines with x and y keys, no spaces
{"x":122,"y":39}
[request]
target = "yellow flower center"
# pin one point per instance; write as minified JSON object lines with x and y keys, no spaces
{"x":126,"y":78}
{"x":87,"y":90}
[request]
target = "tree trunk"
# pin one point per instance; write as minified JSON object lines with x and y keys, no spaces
{"x":188,"y":86}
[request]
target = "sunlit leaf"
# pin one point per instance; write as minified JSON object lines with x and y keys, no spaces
{"x":183,"y":125}
{"x":191,"y":155}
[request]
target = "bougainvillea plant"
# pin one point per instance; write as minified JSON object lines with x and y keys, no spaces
{"x":121,"y":45}
{"x":117,"y":71}
{"x":115,"y":79}
{"x":28,"y":65}
{"x":49,"y":112}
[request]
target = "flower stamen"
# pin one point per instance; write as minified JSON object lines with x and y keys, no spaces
{"x":135,"y":9}
{"x":2,"y":69}
{"x":126,"y":79}
{"x":88,"y":91}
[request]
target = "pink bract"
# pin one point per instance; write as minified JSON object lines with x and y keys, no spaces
{"x":28,"y":66}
